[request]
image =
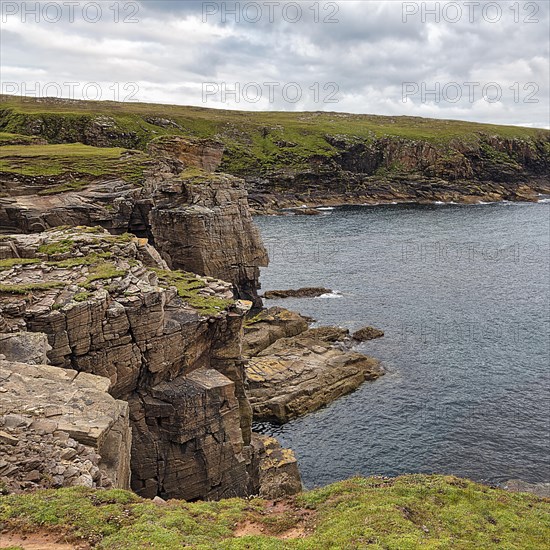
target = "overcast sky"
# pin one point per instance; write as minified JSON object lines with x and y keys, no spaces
{"x":483,"y":61}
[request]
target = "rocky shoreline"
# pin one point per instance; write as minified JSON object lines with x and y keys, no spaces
{"x":132,"y":300}
{"x":293,"y":370}
{"x":275,"y":205}
{"x":134,"y":347}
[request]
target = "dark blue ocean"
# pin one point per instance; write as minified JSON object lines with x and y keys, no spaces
{"x":462,"y":293}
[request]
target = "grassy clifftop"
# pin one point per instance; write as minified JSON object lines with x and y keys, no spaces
{"x":71,"y":166}
{"x":254,"y":141}
{"x":407,"y":512}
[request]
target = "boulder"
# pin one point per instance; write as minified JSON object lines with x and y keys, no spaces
{"x":25,"y":347}
{"x":327,"y":334}
{"x":64,"y":425}
{"x":367,"y":333}
{"x":269,"y":326}
{"x":279,"y":473}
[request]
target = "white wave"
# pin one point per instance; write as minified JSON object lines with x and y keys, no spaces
{"x":543,"y":200}
{"x":325,"y":208}
{"x":333,"y":294}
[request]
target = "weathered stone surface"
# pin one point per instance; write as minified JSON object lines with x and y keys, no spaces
{"x":64,"y":429}
{"x":395,"y":169}
{"x":367,"y":333}
{"x":328,"y":334}
{"x":25,"y":347}
{"x":194,"y":421}
{"x":279,"y":473}
{"x":198,"y":220}
{"x":205,"y":154}
{"x":298,"y":375}
{"x":205,"y":227}
{"x":269,"y":326}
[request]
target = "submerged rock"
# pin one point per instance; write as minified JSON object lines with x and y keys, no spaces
{"x":306,"y":292}
{"x":306,"y":212}
{"x":367,"y":333}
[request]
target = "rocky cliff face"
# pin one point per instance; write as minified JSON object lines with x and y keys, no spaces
{"x":197,"y":220}
{"x":169,"y":342}
{"x":404,"y":170}
{"x":289,"y":159}
{"x":202,"y":223}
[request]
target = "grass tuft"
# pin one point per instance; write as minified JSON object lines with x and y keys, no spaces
{"x":29,"y":287}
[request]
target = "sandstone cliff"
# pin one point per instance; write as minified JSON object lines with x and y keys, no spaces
{"x":168,"y":343}
{"x":197,"y":220}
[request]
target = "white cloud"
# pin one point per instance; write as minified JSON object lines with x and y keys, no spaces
{"x":170,"y":52}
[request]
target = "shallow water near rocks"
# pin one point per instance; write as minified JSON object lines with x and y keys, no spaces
{"x":462,"y":293}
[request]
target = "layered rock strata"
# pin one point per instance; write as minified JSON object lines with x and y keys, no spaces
{"x":293,"y":370}
{"x":169,"y":343}
{"x":473,"y":169}
{"x":197,"y":220}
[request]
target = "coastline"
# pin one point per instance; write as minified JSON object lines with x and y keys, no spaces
{"x":292,"y":207}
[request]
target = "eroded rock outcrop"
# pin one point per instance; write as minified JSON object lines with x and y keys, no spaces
{"x":279,"y":474}
{"x":59,"y":428}
{"x":306,"y":292}
{"x":168,"y":342}
{"x":270,"y":325}
{"x":359,"y":170}
{"x":367,"y":333}
{"x":201,"y":223}
{"x":293,"y":370}
{"x":296,"y":376}
{"x":198,"y":221}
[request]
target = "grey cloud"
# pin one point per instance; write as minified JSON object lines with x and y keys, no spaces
{"x":369,"y":53}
